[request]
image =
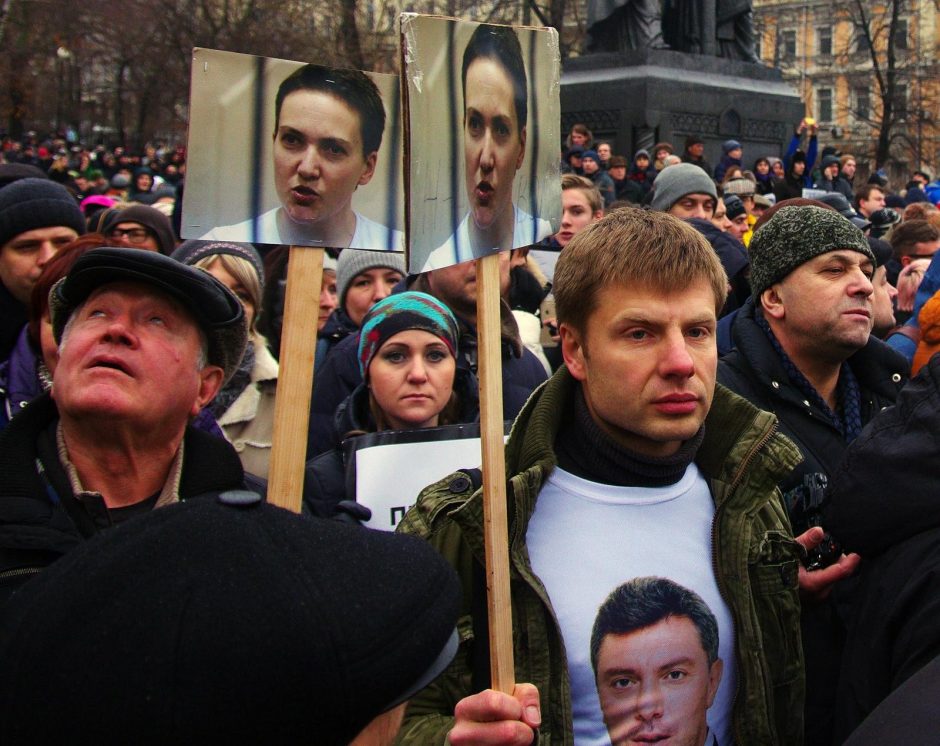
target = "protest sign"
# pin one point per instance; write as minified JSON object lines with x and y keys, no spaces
{"x":483,"y":131}
{"x":282,"y":152}
{"x":430,"y":454}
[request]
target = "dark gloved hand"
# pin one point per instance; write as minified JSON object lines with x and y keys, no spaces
{"x":349,"y":511}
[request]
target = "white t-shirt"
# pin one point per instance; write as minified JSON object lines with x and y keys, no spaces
{"x":275,"y":227}
{"x":456,"y":249}
{"x":586,"y":539}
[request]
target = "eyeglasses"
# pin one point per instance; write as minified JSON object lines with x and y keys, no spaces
{"x":134,"y":235}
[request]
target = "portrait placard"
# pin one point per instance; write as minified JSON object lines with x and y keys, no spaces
{"x":482,"y":127}
{"x":283,"y":152}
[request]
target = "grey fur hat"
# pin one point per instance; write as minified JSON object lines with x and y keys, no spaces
{"x":793,"y":236}
{"x":675,"y":182}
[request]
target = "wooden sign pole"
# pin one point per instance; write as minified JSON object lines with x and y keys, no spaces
{"x":496,"y":524}
{"x":295,"y":377}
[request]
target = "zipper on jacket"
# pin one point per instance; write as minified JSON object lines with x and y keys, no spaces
{"x":719,"y":580}
{"x":20,"y":571}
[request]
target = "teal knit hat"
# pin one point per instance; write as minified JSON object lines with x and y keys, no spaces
{"x":793,"y":236}
{"x":400,"y":312}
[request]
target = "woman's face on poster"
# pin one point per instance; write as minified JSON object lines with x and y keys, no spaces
{"x":318,"y":158}
{"x":494,"y":146}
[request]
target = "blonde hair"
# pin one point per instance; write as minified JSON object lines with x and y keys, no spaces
{"x":586,"y":187}
{"x":243,"y":271}
{"x":632,"y":245}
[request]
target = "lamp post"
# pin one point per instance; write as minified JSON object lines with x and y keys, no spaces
{"x":63,"y":57}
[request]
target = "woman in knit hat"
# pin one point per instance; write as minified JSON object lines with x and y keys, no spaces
{"x":362,"y":279}
{"x":244,"y":407}
{"x":407,"y":356}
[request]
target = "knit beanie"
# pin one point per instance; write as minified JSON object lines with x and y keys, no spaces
{"x":793,"y":236}
{"x":592,"y":154}
{"x":352,"y":262}
{"x":148,"y":217}
{"x":728,"y":145}
{"x":29,"y":204}
{"x":398,"y":313}
{"x":734,"y":206}
{"x":675,"y":182}
{"x":10,"y":172}
{"x":641,"y":152}
{"x":190,"y":252}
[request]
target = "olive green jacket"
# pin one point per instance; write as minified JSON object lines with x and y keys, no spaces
{"x":754,"y":555}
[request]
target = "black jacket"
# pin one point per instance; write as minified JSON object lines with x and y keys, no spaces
{"x":733,"y":258}
{"x":885,"y":504}
{"x":37,"y":525}
{"x":754,"y":370}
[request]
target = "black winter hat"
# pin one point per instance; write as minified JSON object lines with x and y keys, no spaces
{"x":28,"y":204}
{"x":10,"y":172}
{"x":205,"y":622}
{"x":215,"y":308}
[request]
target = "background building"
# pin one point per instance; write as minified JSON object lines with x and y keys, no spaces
{"x":868,"y":73}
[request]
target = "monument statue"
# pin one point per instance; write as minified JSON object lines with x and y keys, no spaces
{"x":720,"y":27}
{"x":622,"y":25}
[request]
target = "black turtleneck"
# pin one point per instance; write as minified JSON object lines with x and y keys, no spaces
{"x":585,"y":450}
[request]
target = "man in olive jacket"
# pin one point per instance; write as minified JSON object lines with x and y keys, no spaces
{"x":629,"y":463}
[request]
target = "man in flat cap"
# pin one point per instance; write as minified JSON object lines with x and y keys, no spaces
{"x":144,"y":344}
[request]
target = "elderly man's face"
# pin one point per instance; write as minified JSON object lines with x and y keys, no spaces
{"x":603,"y":150}
{"x":132,"y":354}
{"x":318,"y":158}
{"x":494,"y":145}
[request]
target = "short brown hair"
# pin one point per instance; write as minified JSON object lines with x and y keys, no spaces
{"x":918,"y":211}
{"x":587,"y":188}
{"x":865,"y":192}
{"x":633,"y":245}
{"x":905,"y":235}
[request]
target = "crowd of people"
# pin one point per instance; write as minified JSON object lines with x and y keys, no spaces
{"x":722,"y":528}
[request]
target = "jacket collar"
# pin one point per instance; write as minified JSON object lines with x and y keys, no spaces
{"x":879,"y":368}
{"x":736,"y":435}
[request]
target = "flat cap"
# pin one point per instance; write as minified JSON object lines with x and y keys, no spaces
{"x":215,"y":308}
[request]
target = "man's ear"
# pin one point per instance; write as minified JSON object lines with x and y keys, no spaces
{"x":521,"y":149}
{"x":369,"y":171}
{"x":210,"y":382}
{"x":572,"y":351}
{"x":714,"y":679}
{"x":905,"y":260}
{"x":771,"y":301}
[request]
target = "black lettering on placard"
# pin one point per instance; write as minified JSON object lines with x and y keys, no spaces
{"x":398,"y":513}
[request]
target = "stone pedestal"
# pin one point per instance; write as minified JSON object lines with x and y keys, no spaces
{"x":639,"y":98}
